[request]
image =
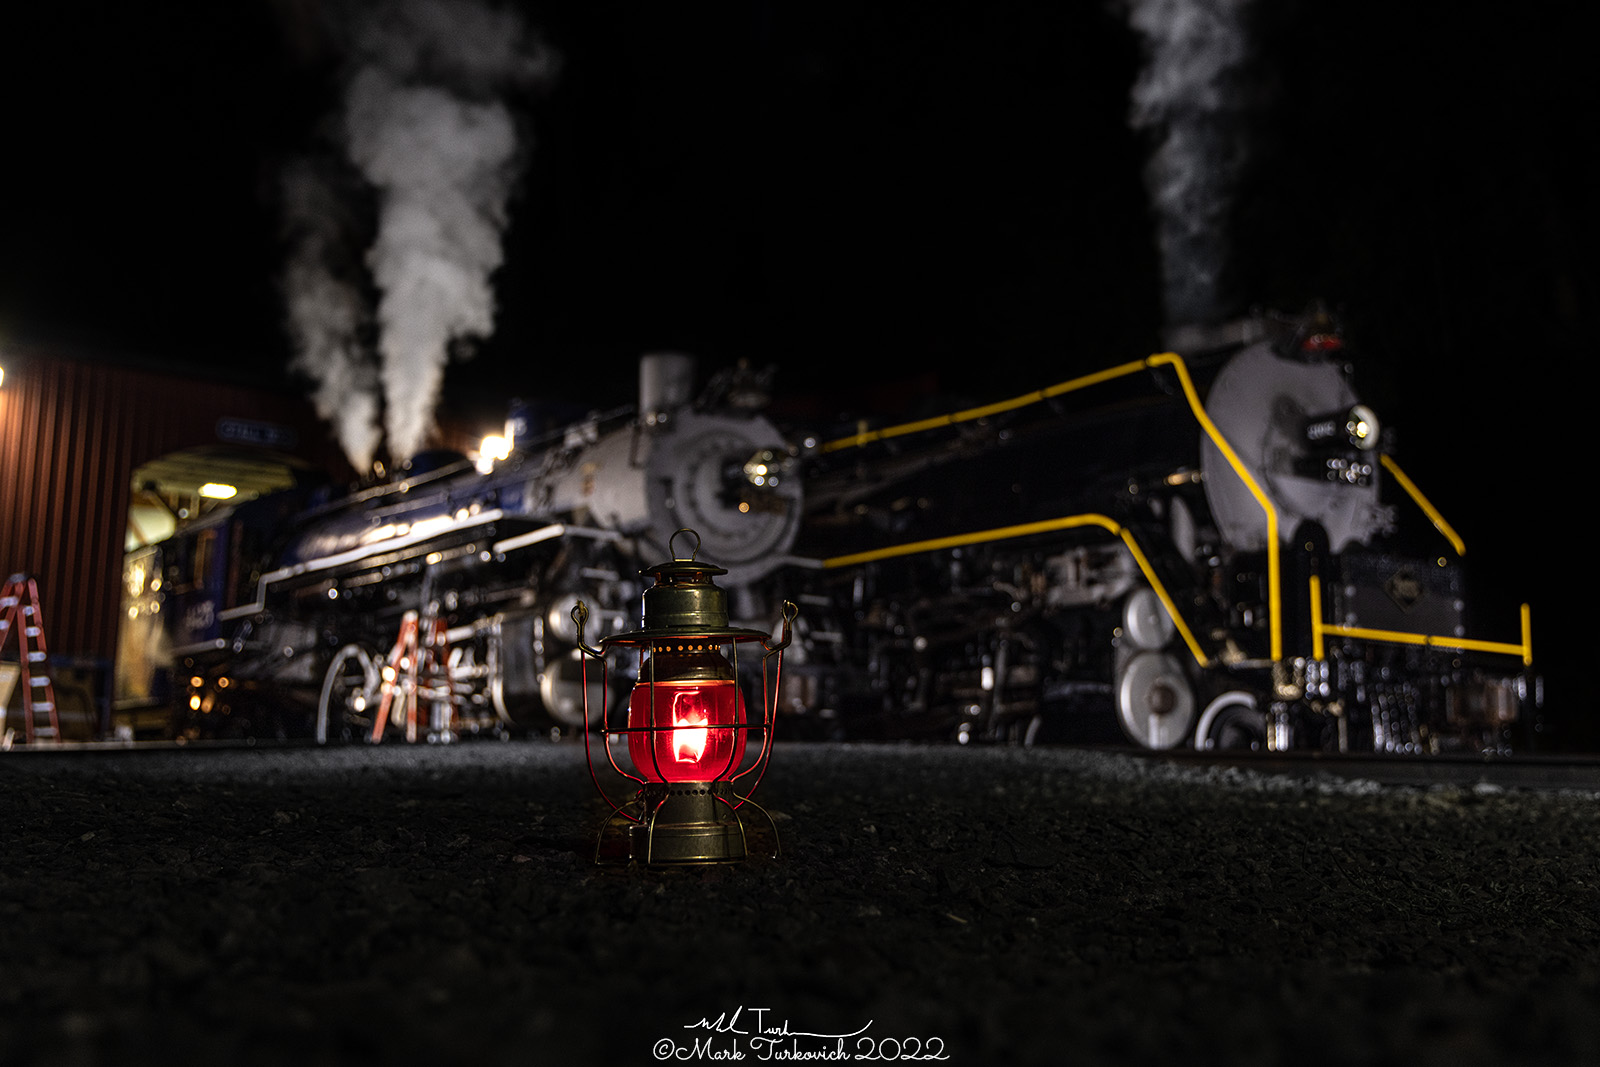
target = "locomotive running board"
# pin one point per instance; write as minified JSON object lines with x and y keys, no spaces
{"x":545,"y":533}
{"x":356,"y":555}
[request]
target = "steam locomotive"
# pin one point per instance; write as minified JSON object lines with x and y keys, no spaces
{"x":439,"y":603}
{"x":1216,"y":551}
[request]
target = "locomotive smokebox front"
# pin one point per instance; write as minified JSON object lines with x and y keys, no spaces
{"x":724,"y":473}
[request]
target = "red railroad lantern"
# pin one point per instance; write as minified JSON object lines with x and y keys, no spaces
{"x":687,"y":726}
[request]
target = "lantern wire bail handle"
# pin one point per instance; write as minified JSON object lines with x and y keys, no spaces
{"x":690,"y":558}
{"x":580,"y":616}
{"x":791,"y":611}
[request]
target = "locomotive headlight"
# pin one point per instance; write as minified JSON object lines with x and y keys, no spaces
{"x":491,"y":450}
{"x":1354,"y":427}
{"x":687,"y":724}
{"x":763,"y":469}
{"x":1361,"y":427}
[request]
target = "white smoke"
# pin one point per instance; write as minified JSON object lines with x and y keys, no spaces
{"x":443,"y":167}
{"x":327,"y":314}
{"x":425,"y":122}
{"x":1191,"y":96}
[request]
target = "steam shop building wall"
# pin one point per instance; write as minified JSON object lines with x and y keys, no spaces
{"x":73,"y":431}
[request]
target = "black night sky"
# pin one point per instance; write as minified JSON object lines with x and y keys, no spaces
{"x":872,"y":192}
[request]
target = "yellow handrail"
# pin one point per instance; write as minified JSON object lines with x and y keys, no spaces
{"x":1274,"y":572}
{"x":1400,"y":637}
{"x":1001,"y":533}
{"x":999,"y":406}
{"x":1175,"y":361}
{"x":1424,"y":503}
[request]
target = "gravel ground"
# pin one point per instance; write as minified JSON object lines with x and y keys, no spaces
{"x":1000,"y":905}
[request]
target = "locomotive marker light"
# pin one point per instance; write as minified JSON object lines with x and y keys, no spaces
{"x":686,"y":725}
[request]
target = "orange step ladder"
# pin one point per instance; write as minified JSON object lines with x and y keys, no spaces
{"x":416,"y":671}
{"x":19,"y":611}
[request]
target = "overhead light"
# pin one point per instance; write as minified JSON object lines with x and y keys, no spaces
{"x":218,"y":491}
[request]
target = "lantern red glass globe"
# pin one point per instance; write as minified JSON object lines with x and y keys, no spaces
{"x":686,"y":717}
{"x":687,"y":724}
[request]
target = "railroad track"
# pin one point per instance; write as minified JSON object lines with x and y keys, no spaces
{"x":1533,"y":772}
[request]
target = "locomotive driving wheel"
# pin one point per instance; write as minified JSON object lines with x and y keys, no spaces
{"x":350,"y":695}
{"x":1155,"y":702}
{"x":1233,"y":721}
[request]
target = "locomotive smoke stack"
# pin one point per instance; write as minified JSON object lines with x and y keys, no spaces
{"x":1190,"y":338}
{"x":666,"y":383}
{"x":424,"y":121}
{"x":1190,"y":98}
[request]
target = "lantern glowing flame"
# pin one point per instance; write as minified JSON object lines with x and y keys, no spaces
{"x":689,"y":744}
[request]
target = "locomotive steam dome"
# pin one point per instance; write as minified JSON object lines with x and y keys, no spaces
{"x":1270,"y":409}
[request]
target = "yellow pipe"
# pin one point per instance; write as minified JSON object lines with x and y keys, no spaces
{"x":857,"y":440}
{"x":1316,"y":618}
{"x":1274,"y":572}
{"x":1422,"y":502}
{"x":1002,"y":533}
{"x":1429,"y":640}
{"x":1527,"y":636}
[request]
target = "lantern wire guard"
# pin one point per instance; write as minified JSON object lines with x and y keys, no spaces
{"x":687,"y":807}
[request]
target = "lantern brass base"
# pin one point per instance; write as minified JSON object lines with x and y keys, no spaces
{"x":683,"y":823}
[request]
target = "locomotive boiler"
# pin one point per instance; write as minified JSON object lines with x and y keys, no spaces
{"x":1217,"y":550}
{"x":439,"y":602}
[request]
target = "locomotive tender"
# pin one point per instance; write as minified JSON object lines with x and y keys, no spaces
{"x":1216,"y":552}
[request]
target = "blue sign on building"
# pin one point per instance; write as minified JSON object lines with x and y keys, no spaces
{"x":252,"y":432}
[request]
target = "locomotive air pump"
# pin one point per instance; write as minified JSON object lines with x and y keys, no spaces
{"x":686,"y":726}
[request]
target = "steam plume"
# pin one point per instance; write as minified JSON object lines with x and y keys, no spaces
{"x":327,"y":314}
{"x":1191,"y":97}
{"x":424,"y":121}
